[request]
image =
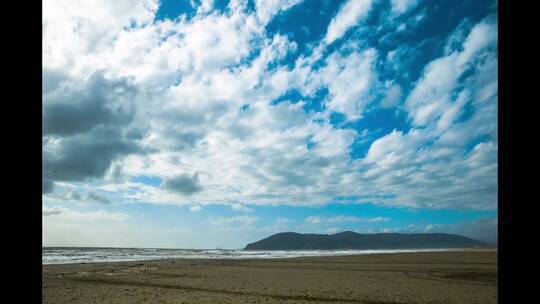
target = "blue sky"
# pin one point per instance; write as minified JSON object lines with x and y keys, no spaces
{"x":202,"y":124}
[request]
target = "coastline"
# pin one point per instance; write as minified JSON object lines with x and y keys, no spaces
{"x":107,"y":255}
{"x":466,"y":276}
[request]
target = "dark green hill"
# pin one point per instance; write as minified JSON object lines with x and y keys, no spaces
{"x":353,"y":240}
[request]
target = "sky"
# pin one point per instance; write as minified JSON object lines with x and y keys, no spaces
{"x":205,"y":124}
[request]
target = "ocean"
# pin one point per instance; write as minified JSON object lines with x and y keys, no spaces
{"x":70,"y":255}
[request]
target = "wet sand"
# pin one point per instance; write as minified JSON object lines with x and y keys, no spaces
{"x":428,"y":277}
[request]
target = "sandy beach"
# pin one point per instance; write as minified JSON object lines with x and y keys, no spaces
{"x":428,"y":277}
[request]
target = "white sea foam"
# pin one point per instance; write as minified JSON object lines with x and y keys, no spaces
{"x":57,"y":255}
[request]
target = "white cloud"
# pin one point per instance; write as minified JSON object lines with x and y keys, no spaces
{"x":401,"y":6}
{"x":74,"y":30}
{"x":195,"y":208}
{"x":205,"y":6}
{"x":267,"y":9}
{"x":349,"y":15}
{"x":54,"y":210}
{"x":64,"y":213}
{"x":342,"y":219}
{"x":431,"y":96}
{"x":388,"y":230}
{"x":67,"y":195}
{"x":430,"y":158}
{"x":241,"y":219}
{"x":202,"y":106}
{"x":240,"y":207}
{"x":314,"y":220}
{"x":349,"y":79}
{"x":393,"y":96}
{"x":377,"y":219}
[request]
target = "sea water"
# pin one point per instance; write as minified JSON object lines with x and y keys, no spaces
{"x":68,"y":255}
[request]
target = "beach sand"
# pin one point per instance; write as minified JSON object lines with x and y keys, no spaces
{"x":428,"y":277}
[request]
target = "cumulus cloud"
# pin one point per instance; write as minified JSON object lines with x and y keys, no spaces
{"x":86,"y":127}
{"x":69,"y":195}
{"x":240,"y":207}
{"x":75,"y":108}
{"x":432,"y":95}
{"x":401,"y":6}
{"x":117,"y":104}
{"x":195,"y":208}
{"x":183,"y":183}
{"x":75,"y":31}
{"x":420,"y":159}
{"x":348,"y":15}
{"x":266,"y":9}
{"x":393,"y":96}
{"x":241,"y":219}
{"x":93,"y":196}
{"x":349,"y":79}
{"x":341,"y":219}
{"x":54,"y":210}
{"x":86,"y":156}
{"x":377,"y":219}
{"x":205,"y":6}
{"x":72,"y":215}
{"x":314,"y":220}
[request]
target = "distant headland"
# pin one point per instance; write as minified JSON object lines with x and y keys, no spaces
{"x":352,"y":240}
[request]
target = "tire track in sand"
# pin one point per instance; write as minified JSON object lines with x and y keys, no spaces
{"x":230,"y":292}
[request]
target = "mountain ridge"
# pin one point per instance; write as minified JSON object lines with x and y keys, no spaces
{"x":353,"y":240}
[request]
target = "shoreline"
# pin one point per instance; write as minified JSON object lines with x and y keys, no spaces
{"x":292,"y":256}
